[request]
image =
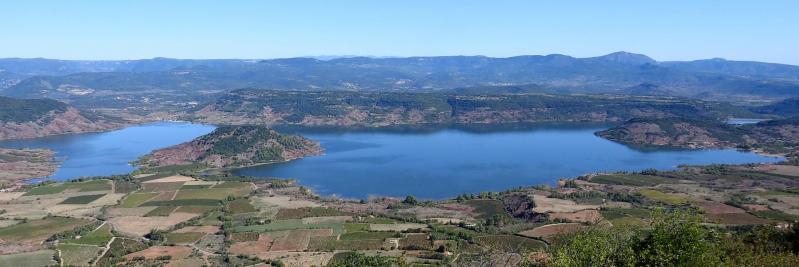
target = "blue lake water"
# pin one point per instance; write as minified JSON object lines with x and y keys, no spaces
{"x":428,"y":163}
{"x":93,"y":154}
{"x":444,"y":163}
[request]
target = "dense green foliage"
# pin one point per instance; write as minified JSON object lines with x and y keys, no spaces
{"x":414,"y":108}
{"x":267,"y":145}
{"x":787,"y":108}
{"x":674,"y":239}
{"x":23,"y":110}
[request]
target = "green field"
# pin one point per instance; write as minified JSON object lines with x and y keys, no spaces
{"x":161,"y":211}
{"x":194,"y":209}
{"x":194,"y":186}
{"x":183,"y":238}
{"x":119,"y":248}
{"x":629,"y":179}
{"x":124,"y":187}
{"x":82,"y":199}
{"x":415,"y":242}
{"x":240,"y":206}
{"x":366,"y":235}
{"x":355,"y":227}
{"x":209,"y":193}
{"x":46,"y":190}
{"x":308,"y":212}
{"x":78,"y":255}
{"x":775,"y":215}
{"x":161,"y":187}
{"x":212,"y":218}
{"x":183,"y":202}
{"x":666,"y":198}
{"x":487,"y":207}
{"x":233,"y":184}
{"x":616,"y":213}
{"x":93,"y":185}
{"x":291,"y":224}
{"x":329,"y":243}
{"x":98,"y":237}
{"x":244,"y":236}
{"x":39,"y":230}
{"x":136,"y":199}
{"x":36,"y":258}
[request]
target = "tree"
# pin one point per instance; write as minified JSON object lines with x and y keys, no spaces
{"x":650,"y":171}
{"x":676,"y":239}
{"x":410,"y":200}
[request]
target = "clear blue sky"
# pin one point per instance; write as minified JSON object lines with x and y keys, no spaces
{"x":664,"y":30}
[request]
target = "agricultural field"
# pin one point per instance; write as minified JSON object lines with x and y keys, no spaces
{"x":300,"y":213}
{"x":136,"y":199}
{"x":85,"y":199}
{"x":88,"y":186}
{"x":183,"y":220}
{"x":37,"y":231}
{"x":77,"y":254}
{"x":486,"y":208}
{"x":628,"y":179}
{"x":161,"y":211}
{"x":547,"y":231}
{"x":97,"y":237}
{"x":35,"y":258}
{"x":183,"y":238}
{"x":666,"y":198}
{"x":241,"y":206}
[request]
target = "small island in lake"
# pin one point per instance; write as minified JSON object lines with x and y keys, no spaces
{"x":232,"y":146}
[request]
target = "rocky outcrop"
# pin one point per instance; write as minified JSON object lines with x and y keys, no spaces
{"x":230,"y":146}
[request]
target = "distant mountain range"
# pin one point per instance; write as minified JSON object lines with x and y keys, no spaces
{"x":620,"y":72}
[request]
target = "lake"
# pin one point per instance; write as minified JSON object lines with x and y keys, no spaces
{"x":446,"y":162}
{"x":106,"y":153}
{"x":429,"y":163}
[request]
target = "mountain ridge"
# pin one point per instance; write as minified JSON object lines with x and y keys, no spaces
{"x":610,"y":73}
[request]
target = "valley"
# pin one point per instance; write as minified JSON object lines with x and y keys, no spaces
{"x":385,"y":162}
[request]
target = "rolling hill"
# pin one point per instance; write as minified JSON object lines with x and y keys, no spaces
{"x":29,"y":118}
{"x":234,"y":146}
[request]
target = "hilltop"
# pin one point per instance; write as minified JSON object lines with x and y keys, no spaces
{"x":229,"y":146}
{"x":30,"y":118}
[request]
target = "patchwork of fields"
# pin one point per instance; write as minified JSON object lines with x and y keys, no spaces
{"x":190,"y":220}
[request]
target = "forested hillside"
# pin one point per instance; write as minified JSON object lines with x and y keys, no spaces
{"x":341,"y":108}
{"x":234,"y":146}
{"x":28,"y":118}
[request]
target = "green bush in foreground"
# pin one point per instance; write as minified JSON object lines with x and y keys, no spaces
{"x":675,"y":239}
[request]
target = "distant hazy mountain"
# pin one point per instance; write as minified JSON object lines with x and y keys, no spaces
{"x":750,"y":69}
{"x":619,"y":72}
{"x":786,"y":108}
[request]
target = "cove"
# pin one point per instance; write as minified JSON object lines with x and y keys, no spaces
{"x":442,"y":163}
{"x":108,"y":153}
